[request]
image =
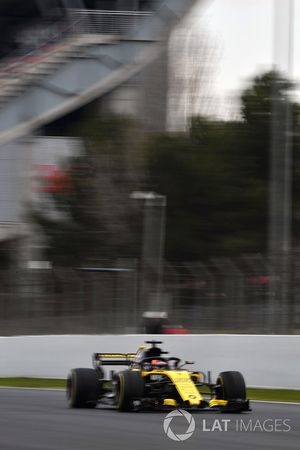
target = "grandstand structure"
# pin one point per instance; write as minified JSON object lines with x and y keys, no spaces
{"x":57,"y":57}
{"x":65,"y":57}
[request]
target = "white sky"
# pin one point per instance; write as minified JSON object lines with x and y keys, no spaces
{"x":244,"y":32}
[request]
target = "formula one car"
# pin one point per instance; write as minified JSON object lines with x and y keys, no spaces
{"x":153,"y":381}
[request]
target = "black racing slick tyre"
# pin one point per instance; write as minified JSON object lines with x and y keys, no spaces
{"x":129,"y":386}
{"x":232,"y":386}
{"x":83,"y":388}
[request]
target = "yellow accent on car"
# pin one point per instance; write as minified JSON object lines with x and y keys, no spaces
{"x":216,"y":402}
{"x":115,"y":355}
{"x":183,"y":383}
{"x":185,"y":386}
{"x":121,"y":392}
{"x":170,"y":402}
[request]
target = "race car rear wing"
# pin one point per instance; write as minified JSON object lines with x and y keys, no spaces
{"x":113,"y":359}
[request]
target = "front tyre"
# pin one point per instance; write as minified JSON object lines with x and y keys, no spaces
{"x":83,"y":388}
{"x":129,"y":387}
{"x":231,"y":387}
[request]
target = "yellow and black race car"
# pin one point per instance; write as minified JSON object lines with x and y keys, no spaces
{"x":153,"y":380}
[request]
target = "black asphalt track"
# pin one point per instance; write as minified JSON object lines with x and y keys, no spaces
{"x":40,"y":420}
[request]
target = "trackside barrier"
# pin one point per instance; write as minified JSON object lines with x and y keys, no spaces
{"x":265,"y":361}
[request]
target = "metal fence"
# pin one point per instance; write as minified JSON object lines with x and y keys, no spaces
{"x":40,"y":45}
{"x":105,"y":22}
{"x":222,"y":296}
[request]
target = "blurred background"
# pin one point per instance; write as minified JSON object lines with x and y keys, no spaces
{"x":149,"y":166}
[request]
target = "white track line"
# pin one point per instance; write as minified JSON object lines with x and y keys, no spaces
{"x":276,"y":402}
{"x":62,"y":389}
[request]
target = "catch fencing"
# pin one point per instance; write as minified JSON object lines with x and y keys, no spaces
{"x":221,"y":296}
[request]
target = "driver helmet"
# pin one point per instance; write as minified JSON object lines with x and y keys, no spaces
{"x":158,"y":363}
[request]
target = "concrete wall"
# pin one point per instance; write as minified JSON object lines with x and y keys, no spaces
{"x":264,"y":360}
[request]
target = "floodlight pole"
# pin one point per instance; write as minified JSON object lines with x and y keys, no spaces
{"x":281,"y":192}
{"x":153,"y":243}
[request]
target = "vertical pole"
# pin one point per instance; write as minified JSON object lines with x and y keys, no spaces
{"x":153,"y":250}
{"x":280,"y":189}
{"x":287,"y":193}
{"x":163,"y":204}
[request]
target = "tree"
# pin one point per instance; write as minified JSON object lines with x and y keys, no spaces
{"x":217,"y":178}
{"x":90,"y":218}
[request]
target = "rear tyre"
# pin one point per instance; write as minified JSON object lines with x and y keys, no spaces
{"x":83,"y":388}
{"x":129,"y":386}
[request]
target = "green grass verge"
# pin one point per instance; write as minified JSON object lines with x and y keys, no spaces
{"x":276,"y":395}
{"x":283,"y":395}
{"x":51,"y":383}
